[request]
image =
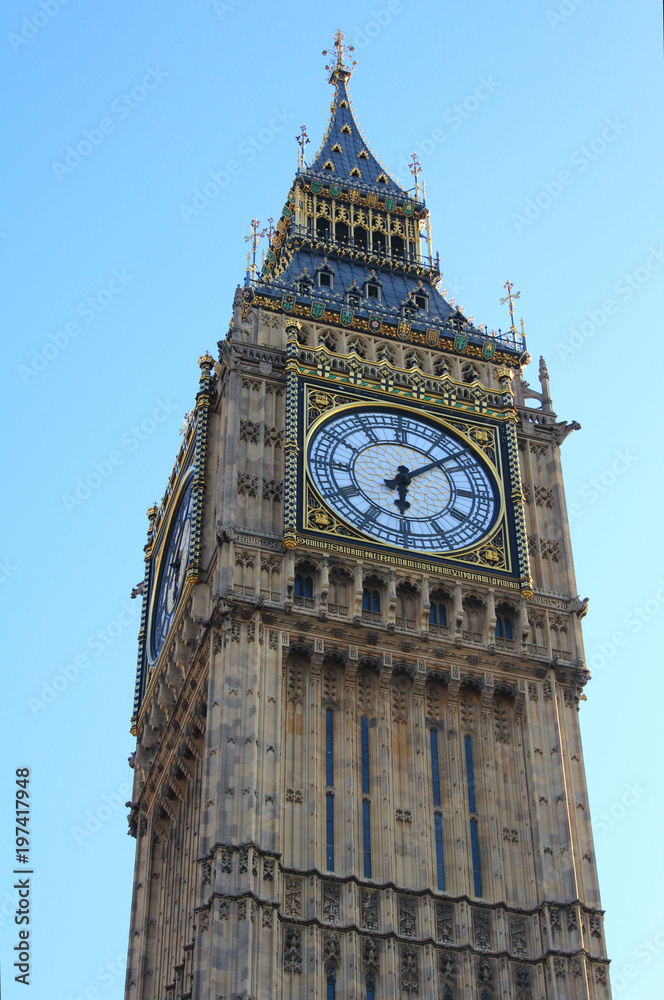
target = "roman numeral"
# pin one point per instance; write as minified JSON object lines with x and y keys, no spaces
{"x":466,"y":493}
{"x":457,"y":514}
{"x":349,"y":491}
{"x":340,"y":466}
{"x":371,"y":516}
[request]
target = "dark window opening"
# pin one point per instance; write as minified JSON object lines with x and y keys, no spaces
{"x":325,"y":280}
{"x":397,"y":246}
{"x":341,"y":232}
{"x":360,"y":237}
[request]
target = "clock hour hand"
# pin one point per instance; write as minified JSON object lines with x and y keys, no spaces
{"x":400,"y":483}
{"x":404,"y":475}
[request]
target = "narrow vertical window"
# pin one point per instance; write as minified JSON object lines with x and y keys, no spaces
{"x":437,"y":817}
{"x":371,"y":986}
{"x":329,"y":781}
{"x":331,"y":982}
{"x":366,"y":804}
{"x":366,"y":600}
{"x":472,"y":807}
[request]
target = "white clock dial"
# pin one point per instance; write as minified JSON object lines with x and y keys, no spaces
{"x":403,"y":479}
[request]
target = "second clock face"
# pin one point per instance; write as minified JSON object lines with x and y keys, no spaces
{"x":402,"y":479}
{"x":172,"y":573}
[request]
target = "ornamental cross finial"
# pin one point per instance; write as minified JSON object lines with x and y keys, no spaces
{"x":415,"y":169}
{"x":254,"y":236}
{"x":302,"y":139}
{"x":510,"y":297}
{"x":342,"y":52}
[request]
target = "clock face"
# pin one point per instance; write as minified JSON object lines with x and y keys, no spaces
{"x":171,"y":573}
{"x":403,"y":480}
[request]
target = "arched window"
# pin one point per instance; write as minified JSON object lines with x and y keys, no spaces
{"x":505,"y":623}
{"x":440,"y":367}
{"x":303,"y":590}
{"x":371,"y":602}
{"x":472,"y":619}
{"x":371,"y":986}
{"x":447,"y":993}
{"x":438,"y":610}
{"x":407,"y":600}
{"x":322,"y":228}
{"x":469,"y":373}
{"x":338,"y":594}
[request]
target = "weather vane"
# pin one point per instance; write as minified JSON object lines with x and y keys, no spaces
{"x":343,"y":51}
{"x":510,"y":297}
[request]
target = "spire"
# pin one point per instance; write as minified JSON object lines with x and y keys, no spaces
{"x":344,"y":156}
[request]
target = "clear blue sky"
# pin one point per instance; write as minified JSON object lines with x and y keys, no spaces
{"x":540,"y":138}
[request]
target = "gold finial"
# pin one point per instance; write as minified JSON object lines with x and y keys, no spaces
{"x":302,"y":140}
{"x":510,"y":297}
{"x":415,"y":169}
{"x":343,"y":51}
{"x":153,"y":511}
{"x":254,"y":236}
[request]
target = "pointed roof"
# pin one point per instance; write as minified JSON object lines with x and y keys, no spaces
{"x":344,"y":155}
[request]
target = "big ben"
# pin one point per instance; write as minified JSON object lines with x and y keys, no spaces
{"x":358,"y":771}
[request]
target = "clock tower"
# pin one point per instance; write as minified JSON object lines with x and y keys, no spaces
{"x":358,"y":770}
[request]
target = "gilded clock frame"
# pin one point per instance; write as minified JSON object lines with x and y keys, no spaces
{"x":485,"y":423}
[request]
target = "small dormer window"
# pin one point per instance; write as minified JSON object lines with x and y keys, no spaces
{"x":345,"y":128}
{"x":363,"y":155}
{"x":344,"y":104}
{"x":372,"y":292}
{"x":355,"y":172}
{"x":336,"y":148}
{"x":353,"y":300}
{"x":421,"y":302}
{"x":325,"y":280}
{"x":328,"y":166}
{"x":382,"y":179}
